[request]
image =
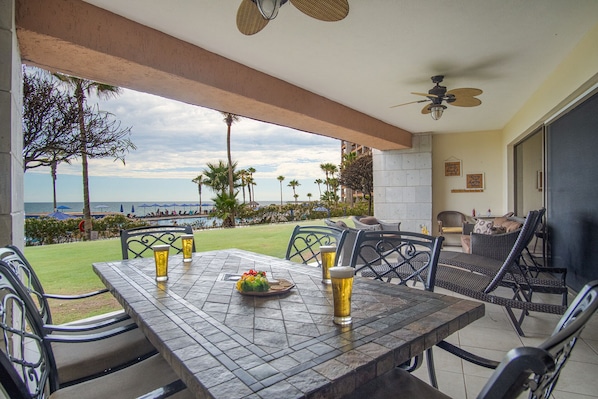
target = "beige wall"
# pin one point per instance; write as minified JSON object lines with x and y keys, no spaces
{"x":492,"y":152}
{"x":480,"y":152}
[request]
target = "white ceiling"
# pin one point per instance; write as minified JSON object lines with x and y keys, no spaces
{"x":386,"y":49}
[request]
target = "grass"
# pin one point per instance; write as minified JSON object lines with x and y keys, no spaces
{"x":66,"y":268}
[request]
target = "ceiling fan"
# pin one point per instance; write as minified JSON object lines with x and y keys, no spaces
{"x":253,"y":15}
{"x":464,"y":97}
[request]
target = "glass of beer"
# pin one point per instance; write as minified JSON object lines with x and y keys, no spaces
{"x":342,"y":287}
{"x":161,"y":258}
{"x":328,"y":254}
{"x":187,"y":240}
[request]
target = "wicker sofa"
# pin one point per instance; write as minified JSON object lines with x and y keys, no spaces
{"x":371,"y":223}
{"x":493,"y":238}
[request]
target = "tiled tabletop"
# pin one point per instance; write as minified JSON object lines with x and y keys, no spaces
{"x":227,"y":345}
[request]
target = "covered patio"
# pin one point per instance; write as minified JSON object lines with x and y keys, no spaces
{"x":535,"y":61}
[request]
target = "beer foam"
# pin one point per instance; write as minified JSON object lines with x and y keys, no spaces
{"x":342,"y":272}
{"x":327,"y":248}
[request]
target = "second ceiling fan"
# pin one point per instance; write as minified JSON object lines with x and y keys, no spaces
{"x":464,"y":97}
{"x":253,"y":15}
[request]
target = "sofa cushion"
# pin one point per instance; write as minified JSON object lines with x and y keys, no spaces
{"x":511,"y":225}
{"x":483,"y":226}
{"x":341,"y":224}
{"x":369,"y":220}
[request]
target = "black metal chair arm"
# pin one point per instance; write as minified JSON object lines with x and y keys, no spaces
{"x":73,"y":328}
{"x":70,"y":338}
{"x":165,"y":391}
{"x":79,"y":296}
{"x":468,"y":356}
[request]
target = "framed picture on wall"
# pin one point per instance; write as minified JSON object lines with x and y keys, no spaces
{"x":452,"y":168}
{"x":475,"y":180}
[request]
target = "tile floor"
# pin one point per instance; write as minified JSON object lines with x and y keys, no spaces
{"x":493,"y":336}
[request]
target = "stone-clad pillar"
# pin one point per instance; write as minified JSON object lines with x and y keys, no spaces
{"x":403,"y":185}
{"x":12,"y":214}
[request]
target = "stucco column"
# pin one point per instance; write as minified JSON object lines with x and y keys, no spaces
{"x":403,"y":184}
{"x":12,"y":214}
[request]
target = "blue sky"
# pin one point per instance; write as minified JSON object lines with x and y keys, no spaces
{"x":174,"y":143}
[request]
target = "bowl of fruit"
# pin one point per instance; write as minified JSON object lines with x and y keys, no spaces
{"x":256,"y":283}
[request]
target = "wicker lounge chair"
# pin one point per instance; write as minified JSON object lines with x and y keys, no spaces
{"x":491,"y":252}
{"x":536,"y":369}
{"x":304,"y":244}
{"x":479,"y":277}
{"x":138,"y":241}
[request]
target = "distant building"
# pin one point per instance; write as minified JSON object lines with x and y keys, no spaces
{"x":347,"y":194}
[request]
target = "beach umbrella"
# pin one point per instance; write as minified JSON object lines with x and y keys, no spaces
{"x":132,"y":208}
{"x":59,"y":215}
{"x":101,"y":206}
{"x":144,"y":205}
{"x":121,"y":208}
{"x":63,"y":207}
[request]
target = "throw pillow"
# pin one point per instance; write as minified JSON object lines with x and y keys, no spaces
{"x":483,"y":226}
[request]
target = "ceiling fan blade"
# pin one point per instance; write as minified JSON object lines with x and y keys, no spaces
{"x":249,"y":19}
{"x":466,"y":102}
{"x":425,"y":94}
{"x":465,"y":92}
{"x":324,"y":10}
{"x":410,"y":102}
{"x":426,"y":110}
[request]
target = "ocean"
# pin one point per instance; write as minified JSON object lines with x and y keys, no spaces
{"x":136,"y":208}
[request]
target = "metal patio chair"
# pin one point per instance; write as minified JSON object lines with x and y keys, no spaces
{"x":138,"y":242}
{"x":85,"y":348}
{"x":402,"y":257}
{"x":304,"y":244}
{"x":536,"y":369}
{"x":27,"y":362}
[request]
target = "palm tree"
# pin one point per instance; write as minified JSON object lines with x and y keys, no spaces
{"x":251,"y":183}
{"x":199,"y":181}
{"x":309,"y":196}
{"x":243,"y":173}
{"x":329,"y":169}
{"x":318,"y":182}
{"x":83,"y":88}
{"x":216,"y":176}
{"x":280,"y":179}
{"x":293,"y":184}
{"x":229,"y":119}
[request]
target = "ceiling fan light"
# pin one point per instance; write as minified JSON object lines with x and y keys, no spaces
{"x":436,"y":111}
{"x":268,"y":8}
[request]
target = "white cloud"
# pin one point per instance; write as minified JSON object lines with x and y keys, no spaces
{"x":176,"y":140}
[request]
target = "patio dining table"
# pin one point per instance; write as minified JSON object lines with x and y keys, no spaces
{"x":224,"y":344}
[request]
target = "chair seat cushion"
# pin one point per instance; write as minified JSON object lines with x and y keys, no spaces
{"x":130,"y":382}
{"x":452,"y":230}
{"x":73,"y":359}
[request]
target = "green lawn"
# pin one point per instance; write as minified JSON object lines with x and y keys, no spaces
{"x":66,"y":268}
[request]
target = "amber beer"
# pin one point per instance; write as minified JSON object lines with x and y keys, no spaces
{"x":187,"y":240}
{"x":342,"y":287}
{"x":161,"y":258}
{"x":328,"y":254}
